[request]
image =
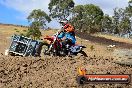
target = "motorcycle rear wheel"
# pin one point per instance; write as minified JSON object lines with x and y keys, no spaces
{"x":84,"y":54}
{"x":46,"y":49}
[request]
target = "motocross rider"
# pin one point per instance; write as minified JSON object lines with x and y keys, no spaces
{"x":67,"y":34}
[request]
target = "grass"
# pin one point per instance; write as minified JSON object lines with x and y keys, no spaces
{"x":10,"y":29}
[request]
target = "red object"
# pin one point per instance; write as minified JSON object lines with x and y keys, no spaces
{"x":68,"y":28}
{"x":107,"y":76}
{"x":51,"y":39}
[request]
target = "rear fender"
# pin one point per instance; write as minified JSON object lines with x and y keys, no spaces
{"x":83,"y":46}
{"x":80,"y":46}
{"x":76,"y":49}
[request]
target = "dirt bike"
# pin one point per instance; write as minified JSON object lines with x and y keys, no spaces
{"x":55,"y":47}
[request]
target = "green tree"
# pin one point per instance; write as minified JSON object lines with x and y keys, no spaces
{"x":39,"y":16}
{"x":38,"y":19}
{"x":77,"y":19}
{"x":128,"y":19}
{"x":107,"y":24}
{"x":60,"y":8}
{"x":116,"y":19}
{"x":34,"y":31}
{"x":90,"y":16}
{"x":125,"y":26}
{"x":121,"y":21}
{"x":129,"y":8}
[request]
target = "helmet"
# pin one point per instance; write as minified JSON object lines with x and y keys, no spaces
{"x":63,"y":22}
{"x":69,"y":28}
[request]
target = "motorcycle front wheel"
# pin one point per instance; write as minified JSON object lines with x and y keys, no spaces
{"x":49,"y":50}
{"x":46,"y":51}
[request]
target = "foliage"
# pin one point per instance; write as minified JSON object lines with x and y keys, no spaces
{"x":92,"y":47}
{"x":34,"y":31}
{"x":23,"y":32}
{"x":129,"y":8}
{"x":77,"y":19}
{"x":107,"y":24}
{"x":15,"y":29}
{"x":122,"y":21}
{"x":38,"y":19}
{"x":39,"y":16}
{"x":87,"y":18}
{"x":60,"y":8}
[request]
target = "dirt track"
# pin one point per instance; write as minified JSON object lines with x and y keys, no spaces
{"x":18,"y":72}
{"x":55,"y":72}
{"x":102,"y":40}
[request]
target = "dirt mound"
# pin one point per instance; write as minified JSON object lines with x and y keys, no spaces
{"x":49,"y":72}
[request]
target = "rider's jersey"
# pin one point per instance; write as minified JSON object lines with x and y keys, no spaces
{"x":68,"y":36}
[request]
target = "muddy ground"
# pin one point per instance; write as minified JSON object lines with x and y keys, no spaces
{"x":57,"y":72}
